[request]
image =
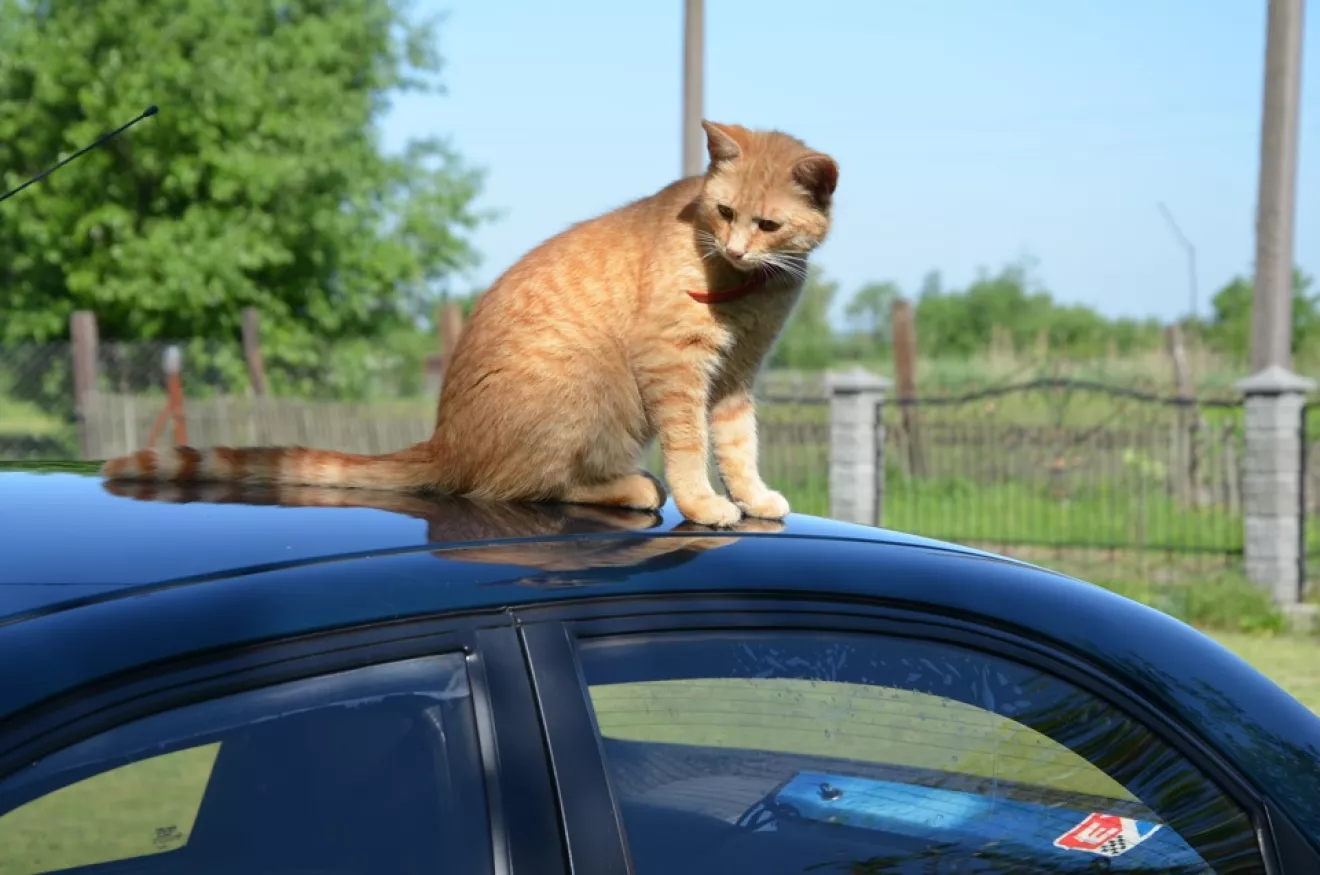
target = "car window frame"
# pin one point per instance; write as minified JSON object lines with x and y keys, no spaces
{"x":550,"y":635}
{"x":522,"y":809}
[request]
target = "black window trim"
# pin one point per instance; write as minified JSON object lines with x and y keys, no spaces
{"x":103,"y":703}
{"x":550,"y":634}
{"x":521,"y":805}
{"x":593,"y":826}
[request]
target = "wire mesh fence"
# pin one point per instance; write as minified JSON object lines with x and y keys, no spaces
{"x":1117,"y":482}
{"x":362,"y":370}
{"x":36,"y":402}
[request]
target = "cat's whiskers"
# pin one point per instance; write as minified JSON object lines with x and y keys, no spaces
{"x":784,"y":264}
{"x":708,"y":245}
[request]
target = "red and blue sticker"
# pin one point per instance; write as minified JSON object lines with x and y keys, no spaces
{"x":1106,"y":834}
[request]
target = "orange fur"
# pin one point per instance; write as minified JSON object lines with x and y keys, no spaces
{"x":590,"y":345}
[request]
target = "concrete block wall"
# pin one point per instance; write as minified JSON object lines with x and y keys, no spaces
{"x":1274,"y":402}
{"x":856,"y":444}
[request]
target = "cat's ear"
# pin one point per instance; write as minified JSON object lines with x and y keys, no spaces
{"x":721,"y":143}
{"x":819,"y":175}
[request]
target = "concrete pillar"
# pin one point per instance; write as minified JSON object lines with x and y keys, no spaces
{"x":1272,"y":482}
{"x":856,"y":445}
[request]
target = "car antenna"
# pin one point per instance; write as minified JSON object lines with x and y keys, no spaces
{"x":146,"y":113}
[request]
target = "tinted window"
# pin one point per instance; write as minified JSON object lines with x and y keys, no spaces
{"x":370,"y":771}
{"x":787,"y":752}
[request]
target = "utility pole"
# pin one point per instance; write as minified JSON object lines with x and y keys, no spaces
{"x":1191,"y":260}
{"x":1271,"y":311}
{"x":694,"y":153}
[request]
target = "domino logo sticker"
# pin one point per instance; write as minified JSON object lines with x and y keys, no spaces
{"x":1106,"y":834}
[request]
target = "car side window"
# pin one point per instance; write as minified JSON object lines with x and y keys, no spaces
{"x":792,"y":752}
{"x":371,"y":770}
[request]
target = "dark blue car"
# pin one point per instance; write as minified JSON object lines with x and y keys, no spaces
{"x":220,"y":679}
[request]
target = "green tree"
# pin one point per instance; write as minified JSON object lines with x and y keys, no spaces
{"x":959,"y":323}
{"x":932,"y":285}
{"x":868,"y":311}
{"x":807,"y":342}
{"x":1229,"y":330}
{"x":260,"y":183}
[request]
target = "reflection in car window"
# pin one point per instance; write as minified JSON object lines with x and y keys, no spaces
{"x":375,"y":770}
{"x":794,"y":752}
{"x":109,"y":816}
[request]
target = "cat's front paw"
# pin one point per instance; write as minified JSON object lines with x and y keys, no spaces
{"x":709,"y":510}
{"x":766,"y":505}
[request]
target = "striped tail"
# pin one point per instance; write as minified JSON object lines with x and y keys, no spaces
{"x":411,"y":469}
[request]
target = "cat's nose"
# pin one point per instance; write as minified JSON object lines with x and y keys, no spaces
{"x":735,"y":254}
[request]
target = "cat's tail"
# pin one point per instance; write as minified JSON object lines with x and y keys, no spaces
{"x":413,"y":468}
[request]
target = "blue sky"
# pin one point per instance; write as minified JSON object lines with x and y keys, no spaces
{"x":969,"y":132}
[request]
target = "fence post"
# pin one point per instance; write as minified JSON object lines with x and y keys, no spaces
{"x":1187,"y":430}
{"x":904,"y":326}
{"x":1272,"y":483}
{"x":256,"y":364}
{"x":172,"y":365}
{"x":856,"y":445}
{"x":86,"y":375}
{"x":450,"y":331}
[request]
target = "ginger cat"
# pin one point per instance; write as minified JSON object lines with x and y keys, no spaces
{"x":650,"y":319}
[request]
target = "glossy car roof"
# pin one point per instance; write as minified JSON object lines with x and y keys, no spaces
{"x":98,"y":579}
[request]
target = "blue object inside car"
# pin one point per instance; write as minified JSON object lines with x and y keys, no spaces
{"x":1066,"y":839}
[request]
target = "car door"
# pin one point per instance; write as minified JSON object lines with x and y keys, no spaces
{"x":708,"y":736}
{"x":412,"y":748}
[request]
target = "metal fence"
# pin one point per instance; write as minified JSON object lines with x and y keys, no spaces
{"x":1120,"y":479}
{"x":36,"y":402}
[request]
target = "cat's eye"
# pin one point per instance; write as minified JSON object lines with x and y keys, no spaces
{"x":726,"y":212}
{"x":768,"y":226}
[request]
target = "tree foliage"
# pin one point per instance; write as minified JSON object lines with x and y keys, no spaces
{"x":808,"y":342}
{"x":868,"y":310}
{"x":260,"y":183}
{"x":959,"y":323}
{"x":1230,"y":323}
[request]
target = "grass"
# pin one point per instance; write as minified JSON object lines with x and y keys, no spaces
{"x":850,"y":721}
{"x":57,"y":466}
{"x":1292,"y":662}
{"x":146,"y":807}
{"x":1204,"y":591}
{"x":1182,"y":560}
{"x":891,"y":726}
{"x":1090,"y":516}
{"x":23,"y":418}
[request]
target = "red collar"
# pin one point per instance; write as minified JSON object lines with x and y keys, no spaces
{"x":757,"y":280}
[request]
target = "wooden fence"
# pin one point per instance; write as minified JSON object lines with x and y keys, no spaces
{"x":118,"y":424}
